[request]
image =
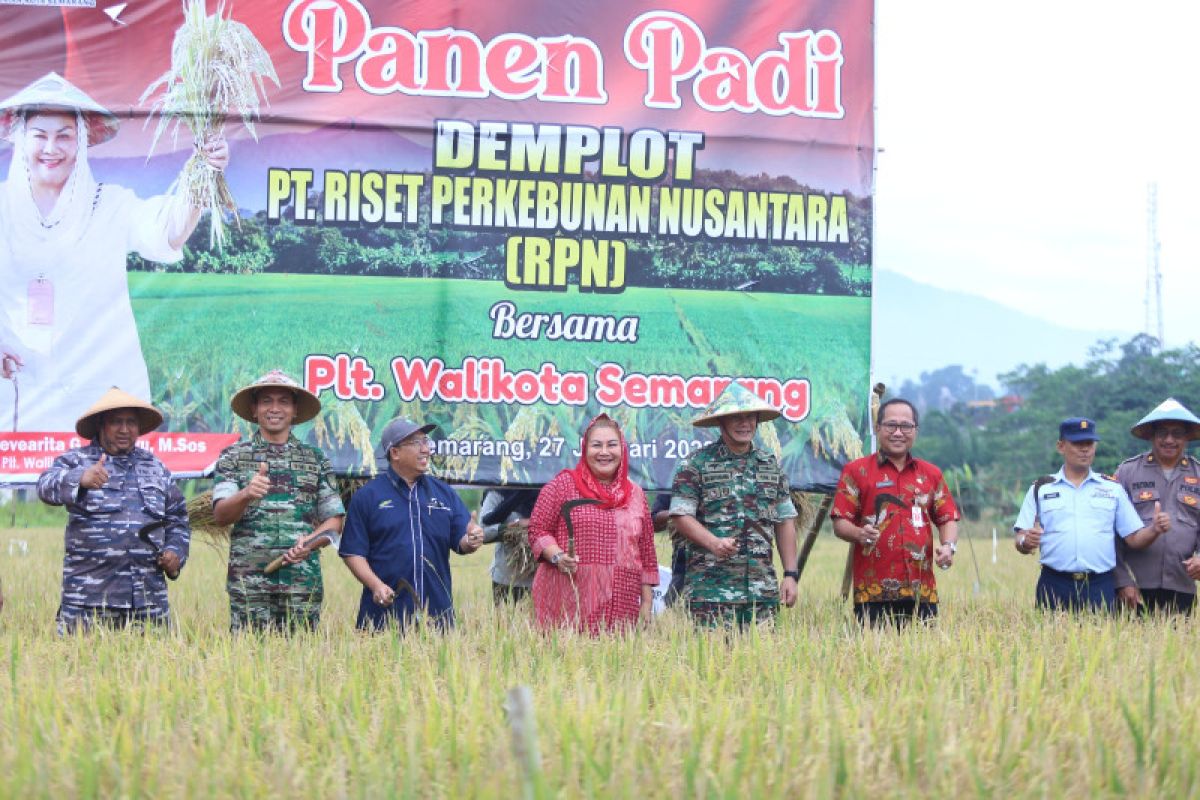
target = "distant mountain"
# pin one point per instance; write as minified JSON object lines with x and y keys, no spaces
{"x":339,"y":147}
{"x":919,"y":328}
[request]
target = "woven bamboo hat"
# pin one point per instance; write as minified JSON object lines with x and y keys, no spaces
{"x":307,"y":404}
{"x":736,"y":399}
{"x":149,"y":417}
{"x":54,"y":92}
{"x":1169,"y":410}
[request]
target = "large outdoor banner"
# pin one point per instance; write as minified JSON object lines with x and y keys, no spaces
{"x":501,"y":217}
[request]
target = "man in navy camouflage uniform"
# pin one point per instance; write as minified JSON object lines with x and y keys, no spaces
{"x":112,"y":489}
{"x":279,"y":495}
{"x":732,"y":502}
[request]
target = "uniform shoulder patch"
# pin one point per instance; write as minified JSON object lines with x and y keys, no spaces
{"x":1112,"y":478}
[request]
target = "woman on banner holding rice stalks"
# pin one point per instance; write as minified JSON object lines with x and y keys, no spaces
{"x":592,"y":535}
{"x":67,"y":331}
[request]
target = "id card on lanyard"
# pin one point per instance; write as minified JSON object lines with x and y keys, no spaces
{"x":40,"y":301}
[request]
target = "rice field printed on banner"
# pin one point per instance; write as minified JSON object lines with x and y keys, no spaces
{"x":244,"y":324}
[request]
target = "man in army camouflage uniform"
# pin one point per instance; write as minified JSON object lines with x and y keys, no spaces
{"x":731,"y":501}
{"x":279,"y":495}
{"x":1162,"y":577}
{"x":112,"y":490}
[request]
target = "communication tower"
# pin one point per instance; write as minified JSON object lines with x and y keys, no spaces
{"x":1154,"y":312}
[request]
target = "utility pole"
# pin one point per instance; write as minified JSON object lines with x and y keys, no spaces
{"x":1153,"y":300}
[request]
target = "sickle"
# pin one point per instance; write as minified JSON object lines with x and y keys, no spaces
{"x":565,"y":512}
{"x":1037,"y":500}
{"x":885,"y":499}
{"x":144,"y":534}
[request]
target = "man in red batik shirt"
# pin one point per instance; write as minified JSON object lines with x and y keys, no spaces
{"x":886,"y":506}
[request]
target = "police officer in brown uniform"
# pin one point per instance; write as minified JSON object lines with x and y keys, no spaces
{"x":1165,"y":480}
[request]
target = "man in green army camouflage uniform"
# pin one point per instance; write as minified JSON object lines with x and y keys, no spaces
{"x":731,"y":501}
{"x":279,"y":495}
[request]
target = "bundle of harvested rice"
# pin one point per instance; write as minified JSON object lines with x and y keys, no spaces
{"x":217,"y":69}
{"x":520,"y":560}
{"x":200,"y":517}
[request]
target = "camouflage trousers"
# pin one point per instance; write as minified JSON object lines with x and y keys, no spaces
{"x":281,"y":612}
{"x":71,"y":619}
{"x":726,"y":615}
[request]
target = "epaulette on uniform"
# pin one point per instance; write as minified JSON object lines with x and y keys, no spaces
{"x":1112,"y":478}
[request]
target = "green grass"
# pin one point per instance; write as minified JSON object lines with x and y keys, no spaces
{"x":288,"y":316}
{"x":993,"y":700}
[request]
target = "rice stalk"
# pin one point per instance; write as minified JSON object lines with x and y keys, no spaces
{"x":466,"y":424}
{"x":525,"y":427}
{"x":343,"y":425}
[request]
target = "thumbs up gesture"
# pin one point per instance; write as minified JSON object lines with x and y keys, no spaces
{"x":474,"y":536}
{"x":259,"y":484}
{"x":1161,"y":522}
{"x":96,"y":475}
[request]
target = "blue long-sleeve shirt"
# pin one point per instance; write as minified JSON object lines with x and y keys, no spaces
{"x":105,"y":564}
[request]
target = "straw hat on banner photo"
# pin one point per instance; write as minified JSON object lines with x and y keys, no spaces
{"x":52,"y":92}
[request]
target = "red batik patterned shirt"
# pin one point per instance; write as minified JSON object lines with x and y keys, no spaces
{"x":901,"y":504}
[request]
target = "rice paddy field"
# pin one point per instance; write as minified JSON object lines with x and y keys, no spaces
{"x":993,"y":700}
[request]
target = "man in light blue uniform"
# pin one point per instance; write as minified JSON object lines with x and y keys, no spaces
{"x":1073,"y":519}
{"x":399,"y":532}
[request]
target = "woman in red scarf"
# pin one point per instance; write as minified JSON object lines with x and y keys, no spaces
{"x":599,"y":572}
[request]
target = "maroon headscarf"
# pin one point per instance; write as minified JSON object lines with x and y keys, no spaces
{"x":619,"y":492}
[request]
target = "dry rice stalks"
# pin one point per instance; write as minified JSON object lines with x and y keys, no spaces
{"x":520,"y":560}
{"x":200,"y":517}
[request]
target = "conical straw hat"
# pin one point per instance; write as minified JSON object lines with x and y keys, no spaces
{"x":307,"y":404}
{"x":54,"y":92}
{"x":1169,"y":410}
{"x":736,"y":399}
{"x":149,"y":417}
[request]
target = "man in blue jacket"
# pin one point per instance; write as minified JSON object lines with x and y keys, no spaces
{"x":127,"y":523}
{"x":399,"y":532}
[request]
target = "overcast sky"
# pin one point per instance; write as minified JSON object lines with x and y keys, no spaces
{"x":1018,"y":140}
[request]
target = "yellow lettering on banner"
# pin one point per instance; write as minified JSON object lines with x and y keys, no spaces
{"x":736,"y":214}
{"x":839,"y":221}
{"x":550,"y":149}
{"x":337,"y":204}
{"x":289,"y":186}
{"x":538,"y":263}
{"x":372,"y":197}
{"x":529,"y":204}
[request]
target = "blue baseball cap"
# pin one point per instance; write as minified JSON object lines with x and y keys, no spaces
{"x":398,"y":430}
{"x":1078,"y":429}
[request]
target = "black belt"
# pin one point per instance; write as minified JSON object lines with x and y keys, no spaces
{"x":1074,"y":576}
